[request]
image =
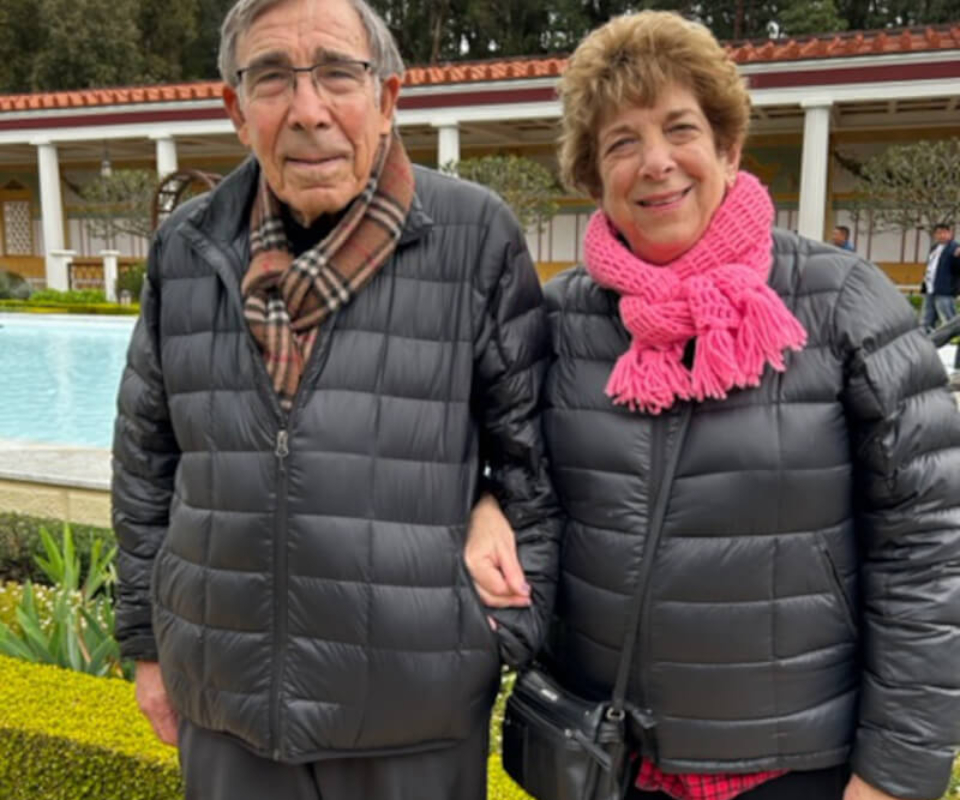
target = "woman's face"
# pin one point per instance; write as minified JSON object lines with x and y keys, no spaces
{"x":662,"y":177}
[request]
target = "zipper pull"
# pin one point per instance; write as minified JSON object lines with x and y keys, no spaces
{"x":283,"y":449}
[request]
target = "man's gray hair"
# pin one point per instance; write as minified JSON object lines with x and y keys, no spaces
{"x":384,"y":56}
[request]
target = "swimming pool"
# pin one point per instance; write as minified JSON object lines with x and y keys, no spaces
{"x":59,"y":377}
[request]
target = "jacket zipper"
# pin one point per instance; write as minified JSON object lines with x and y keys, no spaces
{"x":281,"y":452}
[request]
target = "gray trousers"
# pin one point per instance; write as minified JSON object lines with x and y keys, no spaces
{"x":935,"y":310}
{"x":216,"y":768}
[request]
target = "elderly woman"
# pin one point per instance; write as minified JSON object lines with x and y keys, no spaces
{"x":748,"y":431}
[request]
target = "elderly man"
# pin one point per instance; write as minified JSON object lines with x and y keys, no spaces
{"x":337,"y":352}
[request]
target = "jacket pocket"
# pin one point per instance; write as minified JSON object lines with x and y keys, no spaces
{"x":836,"y":586}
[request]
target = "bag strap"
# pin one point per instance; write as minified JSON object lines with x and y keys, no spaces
{"x":633,"y":620}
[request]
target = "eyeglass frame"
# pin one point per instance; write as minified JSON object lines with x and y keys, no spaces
{"x":294,"y":71}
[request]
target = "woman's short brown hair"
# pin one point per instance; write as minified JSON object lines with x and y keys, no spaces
{"x":629,"y":61}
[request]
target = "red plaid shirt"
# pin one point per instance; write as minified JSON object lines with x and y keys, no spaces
{"x":721,"y":786}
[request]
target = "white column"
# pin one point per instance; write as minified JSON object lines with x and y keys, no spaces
{"x":166,"y":155}
{"x":814,"y":167}
{"x":110,"y":274}
{"x":448,"y":143}
{"x":51,"y":213}
{"x":58,"y":269}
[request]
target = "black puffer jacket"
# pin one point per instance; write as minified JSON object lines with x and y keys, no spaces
{"x":802,"y":596}
{"x":301,"y":578}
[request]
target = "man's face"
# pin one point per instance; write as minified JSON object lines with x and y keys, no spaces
{"x":942,"y":235}
{"x":838,"y":237}
{"x":316,"y":148}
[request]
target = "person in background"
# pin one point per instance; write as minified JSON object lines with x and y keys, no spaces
{"x":747,"y":430}
{"x":337,"y":352}
{"x":941,"y":281}
{"x":841,"y":238}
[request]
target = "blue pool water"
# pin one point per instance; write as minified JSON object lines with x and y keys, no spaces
{"x":59,"y":377}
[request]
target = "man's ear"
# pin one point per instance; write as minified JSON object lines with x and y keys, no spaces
{"x":389,"y":92}
{"x":231,"y":102}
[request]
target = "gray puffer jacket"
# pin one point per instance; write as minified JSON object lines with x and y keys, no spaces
{"x":801,"y":581}
{"x":300,"y":577}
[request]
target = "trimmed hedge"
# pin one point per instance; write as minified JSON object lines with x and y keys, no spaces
{"x":104,"y":309}
{"x":69,"y":736}
{"x":20,"y":543}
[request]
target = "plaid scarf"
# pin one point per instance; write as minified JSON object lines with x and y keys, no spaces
{"x":285,"y":298}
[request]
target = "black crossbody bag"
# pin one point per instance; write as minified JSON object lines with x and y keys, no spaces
{"x":559,"y":746}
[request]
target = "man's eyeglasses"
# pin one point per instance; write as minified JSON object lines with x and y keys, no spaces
{"x":338,"y":77}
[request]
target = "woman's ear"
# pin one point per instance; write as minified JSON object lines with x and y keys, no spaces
{"x":732,"y":163}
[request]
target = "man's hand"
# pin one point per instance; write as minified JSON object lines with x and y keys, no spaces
{"x":859,"y":789}
{"x":491,"y":557}
{"x":153,"y":701}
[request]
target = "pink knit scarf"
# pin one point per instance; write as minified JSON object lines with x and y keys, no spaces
{"x":715,"y":293}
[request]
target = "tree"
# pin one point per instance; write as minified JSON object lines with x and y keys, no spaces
{"x":896,"y":13}
{"x":121,"y":203}
{"x":802,"y":17}
{"x":200,"y":56}
{"x":912,"y":185}
{"x":426,"y":31}
{"x":20,"y":41}
{"x":526,"y":186}
{"x":87,"y":43}
{"x":167,"y":30}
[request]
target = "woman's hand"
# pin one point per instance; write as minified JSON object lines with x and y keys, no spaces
{"x":859,"y":789}
{"x":491,"y":557}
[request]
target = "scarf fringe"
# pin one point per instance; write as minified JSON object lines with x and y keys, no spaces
{"x":715,"y":364}
{"x":648,"y":380}
{"x":774,"y":330}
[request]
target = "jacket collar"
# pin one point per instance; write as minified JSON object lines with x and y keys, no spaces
{"x":225,"y":217}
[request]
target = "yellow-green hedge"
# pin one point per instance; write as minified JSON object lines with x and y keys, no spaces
{"x":69,"y":736}
{"x":107,"y":309}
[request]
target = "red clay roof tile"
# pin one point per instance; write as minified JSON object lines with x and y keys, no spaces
{"x":943,"y":37}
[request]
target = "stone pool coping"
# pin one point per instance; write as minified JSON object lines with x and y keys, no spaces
{"x":57,"y":481}
{"x":29,"y":317}
{"x":59,"y":465}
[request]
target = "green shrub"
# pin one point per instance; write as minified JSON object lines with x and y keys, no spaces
{"x":77,"y":632}
{"x":500,"y":786}
{"x":21,"y":544}
{"x":29,"y":306}
{"x":69,"y":736}
{"x":71,"y":296}
{"x":13,"y":286}
{"x":131,"y":280}
{"x":11,"y":595}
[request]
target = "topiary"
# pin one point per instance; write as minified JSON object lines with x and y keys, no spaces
{"x":69,"y":736}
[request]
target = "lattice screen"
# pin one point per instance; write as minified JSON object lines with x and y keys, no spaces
{"x":17,"y":228}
